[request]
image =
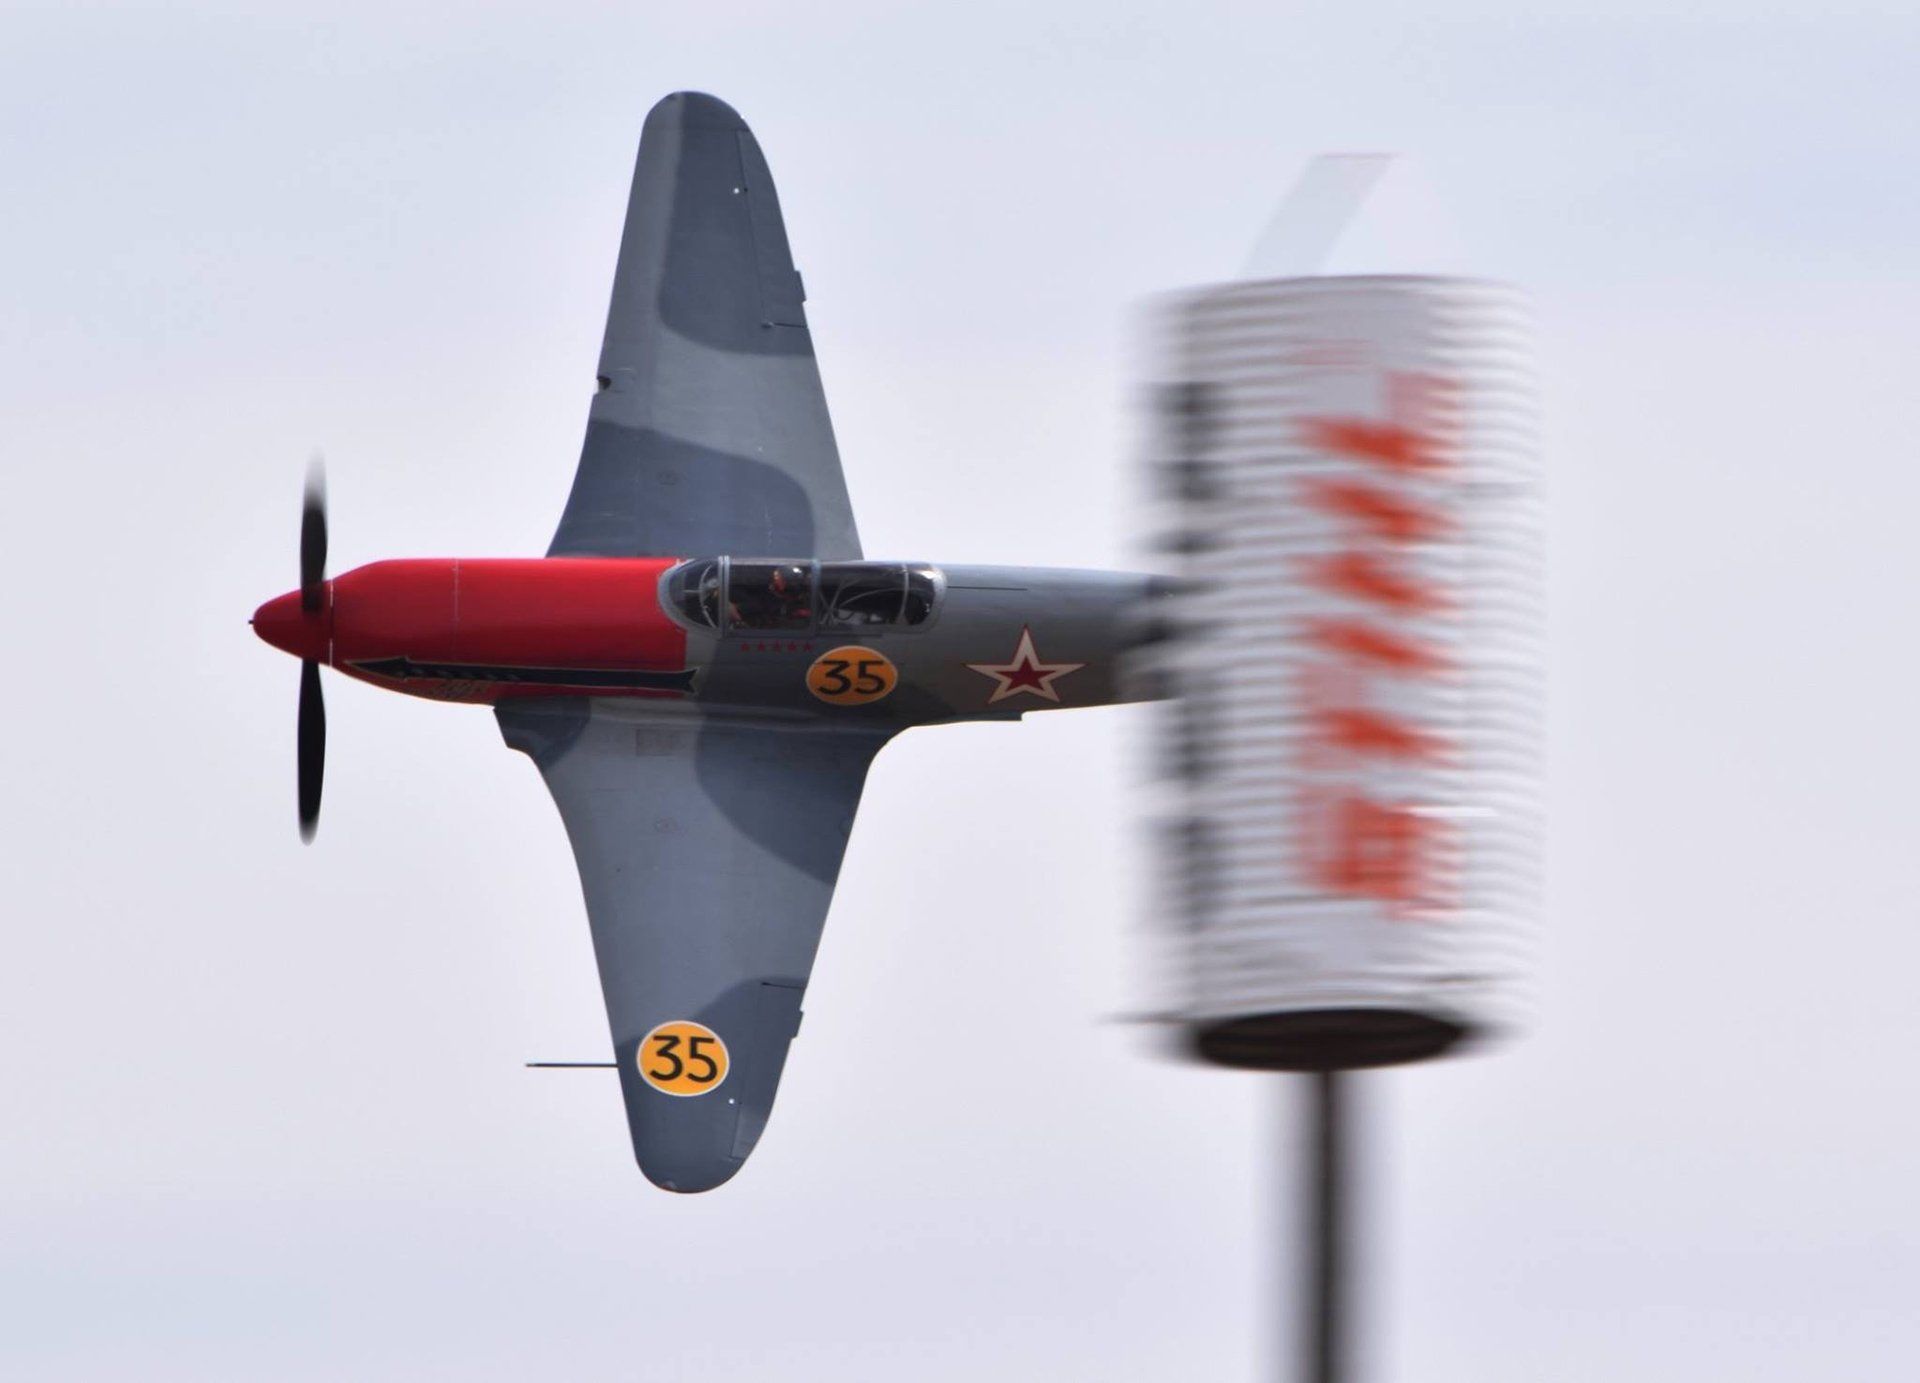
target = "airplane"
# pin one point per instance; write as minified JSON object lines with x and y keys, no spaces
{"x":705,"y":663}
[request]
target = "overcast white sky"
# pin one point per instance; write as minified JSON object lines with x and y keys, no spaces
{"x":265,"y":1110}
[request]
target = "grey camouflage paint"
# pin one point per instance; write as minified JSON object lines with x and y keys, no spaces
{"x":709,"y":832}
{"x":710,"y":431}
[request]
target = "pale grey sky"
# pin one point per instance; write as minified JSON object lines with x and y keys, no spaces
{"x":266,"y":1112}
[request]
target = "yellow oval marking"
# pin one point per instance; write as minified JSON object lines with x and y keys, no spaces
{"x":851,"y":676}
{"x":683,"y":1058}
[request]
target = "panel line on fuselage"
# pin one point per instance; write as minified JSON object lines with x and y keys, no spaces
{"x":404,"y":669}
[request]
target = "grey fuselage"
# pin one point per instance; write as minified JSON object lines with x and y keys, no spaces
{"x":1000,"y":641}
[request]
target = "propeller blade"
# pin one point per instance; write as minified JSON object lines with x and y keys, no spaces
{"x":313,"y":538}
{"x":313,"y":746}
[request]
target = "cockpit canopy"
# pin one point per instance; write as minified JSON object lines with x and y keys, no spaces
{"x":735,"y":593}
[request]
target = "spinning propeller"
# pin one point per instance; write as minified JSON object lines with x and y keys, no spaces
{"x":313,"y":597}
{"x":301,"y":623}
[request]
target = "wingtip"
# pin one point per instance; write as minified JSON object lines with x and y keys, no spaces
{"x":696,"y":110}
{"x":688,"y":1176}
{"x":680,"y":1144}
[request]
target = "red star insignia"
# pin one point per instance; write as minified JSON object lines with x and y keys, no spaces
{"x":1026,"y":673}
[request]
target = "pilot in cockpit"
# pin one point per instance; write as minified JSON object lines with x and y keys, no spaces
{"x":779,"y":601}
{"x":787,"y":598}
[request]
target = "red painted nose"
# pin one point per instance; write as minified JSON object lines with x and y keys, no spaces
{"x":282,"y":623}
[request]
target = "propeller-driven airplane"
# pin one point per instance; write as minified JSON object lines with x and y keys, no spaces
{"x":704,"y":663}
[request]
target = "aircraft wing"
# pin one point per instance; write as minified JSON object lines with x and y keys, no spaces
{"x":710,"y":432}
{"x":708,"y":851}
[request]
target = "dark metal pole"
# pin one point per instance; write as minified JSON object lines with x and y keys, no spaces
{"x":1325,"y":1355}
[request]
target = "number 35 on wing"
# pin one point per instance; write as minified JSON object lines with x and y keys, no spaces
{"x":682,"y":1058}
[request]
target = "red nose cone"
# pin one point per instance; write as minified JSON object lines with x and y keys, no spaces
{"x":282,"y":623}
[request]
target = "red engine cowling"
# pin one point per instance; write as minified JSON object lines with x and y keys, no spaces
{"x":463,"y":630}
